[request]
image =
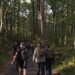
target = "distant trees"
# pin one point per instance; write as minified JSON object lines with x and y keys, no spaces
{"x":49,"y":20}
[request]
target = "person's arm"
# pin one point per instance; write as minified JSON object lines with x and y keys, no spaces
{"x":14,"y":57}
{"x":35,"y":54}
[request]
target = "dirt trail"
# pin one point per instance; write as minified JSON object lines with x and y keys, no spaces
{"x":31,"y":70}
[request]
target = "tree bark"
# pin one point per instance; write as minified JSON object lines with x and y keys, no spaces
{"x":34,"y":27}
{"x":43,"y":22}
{"x":0,"y":19}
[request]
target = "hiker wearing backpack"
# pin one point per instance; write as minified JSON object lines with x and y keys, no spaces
{"x":49,"y":59}
{"x":22,"y":56}
{"x":39,"y":58}
{"x":15,"y":46}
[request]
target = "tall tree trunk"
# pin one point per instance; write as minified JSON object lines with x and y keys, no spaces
{"x":0,"y":19}
{"x":53,"y":6}
{"x":14,"y":17}
{"x":18,"y":19}
{"x":43,"y":22}
{"x":6,"y":19}
{"x":34,"y":29}
{"x":73,"y":23}
{"x":10,"y":18}
{"x":36,"y":19}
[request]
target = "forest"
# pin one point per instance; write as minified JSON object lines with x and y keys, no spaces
{"x":52,"y":21}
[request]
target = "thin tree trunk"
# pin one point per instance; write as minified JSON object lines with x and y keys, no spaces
{"x":34,"y":29}
{"x":36,"y":19}
{"x":73,"y":24}
{"x":10,"y":18}
{"x":0,"y":19}
{"x":53,"y":6}
{"x":14,"y":17}
{"x":6,"y":19}
{"x":18,"y":19}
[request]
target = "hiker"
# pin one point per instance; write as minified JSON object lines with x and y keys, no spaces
{"x":49,"y":59}
{"x":22,"y":55}
{"x":28,"y":46}
{"x":31,"y":49}
{"x":39,"y":58}
{"x":15,"y":46}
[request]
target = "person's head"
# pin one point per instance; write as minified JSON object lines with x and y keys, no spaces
{"x":39,"y":43}
{"x":16,"y":42}
{"x":21,"y":44}
{"x":47,"y":46}
{"x":32,"y":45}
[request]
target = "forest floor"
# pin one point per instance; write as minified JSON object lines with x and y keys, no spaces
{"x":5,"y":67}
{"x":9,"y":69}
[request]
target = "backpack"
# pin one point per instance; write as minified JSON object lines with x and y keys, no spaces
{"x":23,"y":54}
{"x":40,"y":52}
{"x":49,"y":53}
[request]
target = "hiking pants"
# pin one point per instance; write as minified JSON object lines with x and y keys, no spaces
{"x":41,"y":68}
{"x":48,"y":68}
